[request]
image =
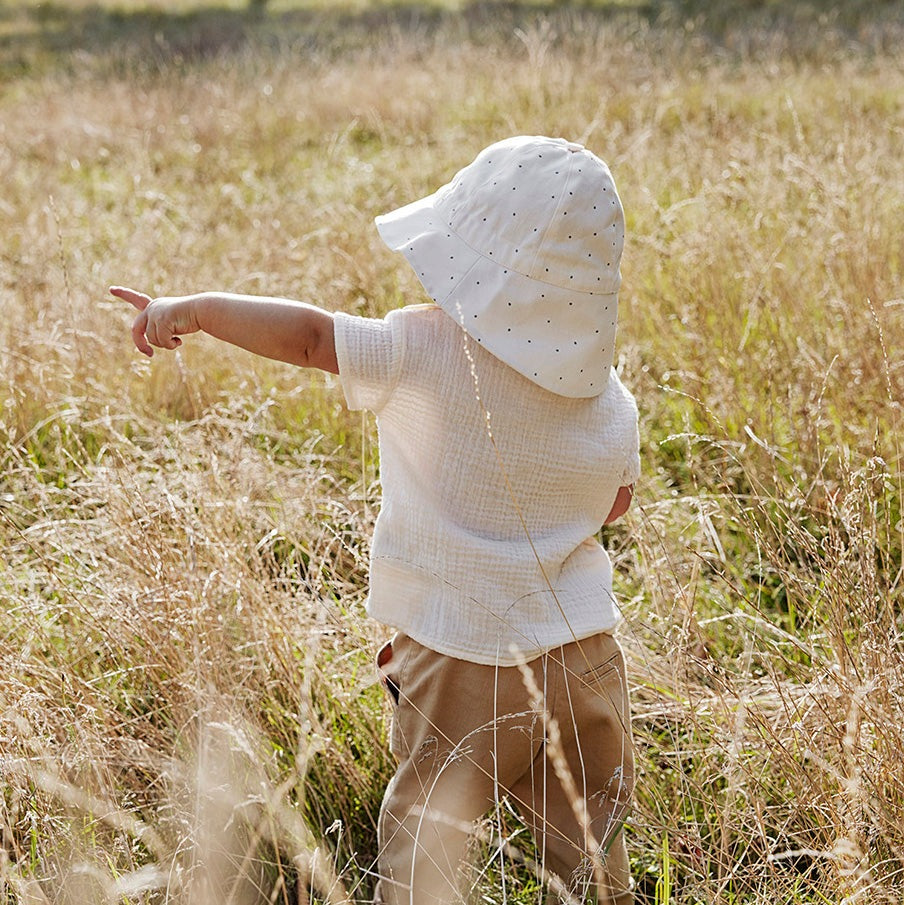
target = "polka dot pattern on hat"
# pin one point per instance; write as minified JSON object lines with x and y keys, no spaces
{"x":583,"y":252}
{"x":525,"y":243}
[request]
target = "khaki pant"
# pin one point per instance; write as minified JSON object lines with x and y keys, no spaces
{"x":467,"y":735}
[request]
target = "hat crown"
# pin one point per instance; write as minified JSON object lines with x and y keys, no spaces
{"x":544,"y":207}
{"x":522,"y":248}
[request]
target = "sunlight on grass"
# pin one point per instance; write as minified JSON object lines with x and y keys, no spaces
{"x":188,"y":707}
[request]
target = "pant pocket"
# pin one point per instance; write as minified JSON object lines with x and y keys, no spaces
{"x":604,"y":674}
{"x":598,"y":675}
{"x":604,"y":686}
{"x":390,"y":662}
{"x":387,"y":665}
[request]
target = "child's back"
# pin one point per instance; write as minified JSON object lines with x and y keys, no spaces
{"x":493,"y":488}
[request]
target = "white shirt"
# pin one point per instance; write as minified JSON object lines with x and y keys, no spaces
{"x":493,"y":490}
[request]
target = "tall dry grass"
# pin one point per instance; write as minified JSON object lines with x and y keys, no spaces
{"x":187,"y":709}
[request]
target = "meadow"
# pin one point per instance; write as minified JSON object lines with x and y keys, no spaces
{"x":188,"y":710}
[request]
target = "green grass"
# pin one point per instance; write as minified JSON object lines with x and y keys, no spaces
{"x":187,"y":708}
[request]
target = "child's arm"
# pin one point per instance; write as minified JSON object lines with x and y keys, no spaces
{"x":276,"y":328}
{"x":621,"y":504}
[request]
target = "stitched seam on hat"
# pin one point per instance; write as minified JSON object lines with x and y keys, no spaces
{"x":462,"y":278}
{"x":588,"y":292}
{"x":564,"y":195}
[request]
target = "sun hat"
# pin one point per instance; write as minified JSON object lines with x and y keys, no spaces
{"x":522,"y":248}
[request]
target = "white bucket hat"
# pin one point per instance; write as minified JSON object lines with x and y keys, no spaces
{"x":522,"y":248}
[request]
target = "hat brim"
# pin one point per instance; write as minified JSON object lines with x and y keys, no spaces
{"x":516,"y":318}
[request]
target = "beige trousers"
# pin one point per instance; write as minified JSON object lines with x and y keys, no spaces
{"x":556,"y":742}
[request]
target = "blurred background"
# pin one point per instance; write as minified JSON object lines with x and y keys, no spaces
{"x":188,"y":711}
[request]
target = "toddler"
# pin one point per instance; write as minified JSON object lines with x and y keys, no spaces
{"x":506,"y":441}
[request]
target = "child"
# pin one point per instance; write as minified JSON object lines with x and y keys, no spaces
{"x":506,"y":441}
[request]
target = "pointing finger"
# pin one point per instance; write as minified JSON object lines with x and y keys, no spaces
{"x":137,"y":299}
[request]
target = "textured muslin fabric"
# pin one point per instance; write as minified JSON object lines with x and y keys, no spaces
{"x":467,"y":734}
{"x":492,"y":490}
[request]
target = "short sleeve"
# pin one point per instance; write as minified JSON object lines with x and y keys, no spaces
{"x":629,"y":429}
{"x":369,"y":352}
{"x":631,"y":474}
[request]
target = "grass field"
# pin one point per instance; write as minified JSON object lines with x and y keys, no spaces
{"x":187,"y":707}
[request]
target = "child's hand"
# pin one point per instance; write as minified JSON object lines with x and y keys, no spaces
{"x":161,"y":321}
{"x":622,"y":502}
